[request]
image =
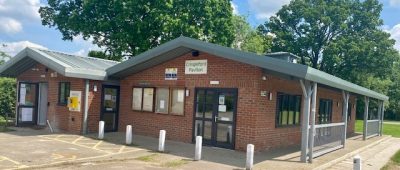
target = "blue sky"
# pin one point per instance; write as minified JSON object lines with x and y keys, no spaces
{"x":21,"y":26}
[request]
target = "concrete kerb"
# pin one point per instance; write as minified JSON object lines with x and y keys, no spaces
{"x":350,"y":154}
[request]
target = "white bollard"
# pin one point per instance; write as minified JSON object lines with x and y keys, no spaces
{"x":357,"y":162}
{"x":128,"y":135}
{"x":249,"y":156}
{"x":199,"y":144}
{"x":161,"y":141}
{"x":101,"y":130}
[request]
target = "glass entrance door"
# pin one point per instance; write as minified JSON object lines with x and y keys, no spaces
{"x":27,"y":104}
{"x":215,"y":113}
{"x":110,"y":107}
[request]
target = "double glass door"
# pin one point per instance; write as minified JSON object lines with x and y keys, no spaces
{"x":110,"y":107}
{"x":215,"y":116}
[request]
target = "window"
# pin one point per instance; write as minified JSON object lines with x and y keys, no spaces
{"x":325,"y":111}
{"x":162,"y":100}
{"x":63,"y":92}
{"x":165,"y":100}
{"x":143,"y":99}
{"x":288,"y":109}
{"x":177,"y":101}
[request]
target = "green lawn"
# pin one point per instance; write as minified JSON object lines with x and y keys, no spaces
{"x":394,"y":162}
{"x":388,"y":129}
{"x":2,"y":123}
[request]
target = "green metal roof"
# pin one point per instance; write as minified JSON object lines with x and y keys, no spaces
{"x":183,"y":45}
{"x":65,"y":64}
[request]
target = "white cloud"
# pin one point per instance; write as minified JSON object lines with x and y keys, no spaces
{"x":395,"y":34}
{"x":263,"y":9}
{"x":86,"y":46}
{"x":26,"y":10}
{"x":15,"y":13}
{"x":234,"y":8}
{"x":394,"y":3}
{"x":12,"y":48}
{"x":9,"y":25}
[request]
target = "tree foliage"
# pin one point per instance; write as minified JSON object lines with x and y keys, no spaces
{"x":7,"y":96}
{"x":129,"y":27}
{"x":340,"y":37}
{"x":249,"y":39}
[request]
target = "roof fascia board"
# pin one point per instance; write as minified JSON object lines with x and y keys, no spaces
{"x":13,"y":60}
{"x":82,"y":73}
{"x":47,"y":60}
{"x":330,"y":80}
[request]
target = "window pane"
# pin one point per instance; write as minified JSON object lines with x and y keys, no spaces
{"x":178,"y":101}
{"x":137,"y":99}
{"x":288,"y":109}
{"x":148,"y":98}
{"x":162,"y":100}
{"x":298,"y":107}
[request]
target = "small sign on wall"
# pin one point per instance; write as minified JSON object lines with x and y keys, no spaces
{"x":75,"y":101}
{"x":196,"y":67}
{"x":171,"y":74}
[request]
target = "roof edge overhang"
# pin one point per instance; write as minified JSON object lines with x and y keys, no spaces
{"x":315,"y":75}
{"x":275,"y":65}
{"x":52,"y":64}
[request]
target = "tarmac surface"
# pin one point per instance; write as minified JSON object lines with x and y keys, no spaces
{"x":38,"y":149}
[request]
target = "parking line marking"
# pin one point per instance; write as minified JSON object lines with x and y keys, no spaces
{"x":76,"y":140}
{"x":121,"y":149}
{"x":98,"y":143}
{"x":8,"y":159}
{"x":78,"y":145}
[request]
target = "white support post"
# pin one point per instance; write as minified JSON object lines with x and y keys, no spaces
{"x":101,"y":130}
{"x":312,"y":119}
{"x":161,"y":141}
{"x":306,"y":87}
{"x":346,"y":97}
{"x":366,"y":105}
{"x":199,"y":144}
{"x":379,"y":117}
{"x":249,"y":156}
{"x":382,"y":118}
{"x":357,"y":162}
{"x":128,"y":140}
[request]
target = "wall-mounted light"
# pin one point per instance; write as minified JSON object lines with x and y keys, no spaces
{"x":338,"y":104}
{"x":270,"y":96}
{"x":264,"y":77}
{"x":95,"y":88}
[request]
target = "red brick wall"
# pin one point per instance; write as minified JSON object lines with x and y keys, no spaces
{"x":255,"y":114}
{"x":59,"y":116}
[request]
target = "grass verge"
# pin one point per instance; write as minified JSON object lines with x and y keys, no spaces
{"x":394,"y":162}
{"x":388,"y":129}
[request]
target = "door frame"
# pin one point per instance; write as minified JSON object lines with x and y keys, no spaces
{"x":39,"y":101}
{"x":214,"y":141}
{"x":35,"y":107}
{"x":102,"y":110}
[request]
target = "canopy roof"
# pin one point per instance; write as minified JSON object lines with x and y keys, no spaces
{"x":183,"y":45}
{"x":65,"y":64}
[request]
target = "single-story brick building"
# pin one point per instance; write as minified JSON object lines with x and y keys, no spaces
{"x":192,"y":88}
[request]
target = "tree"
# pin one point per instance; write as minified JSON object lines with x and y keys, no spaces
{"x":103,"y":55}
{"x":312,"y":28}
{"x":340,"y":37}
{"x":249,"y":39}
{"x":129,"y":27}
{"x":3,"y":57}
